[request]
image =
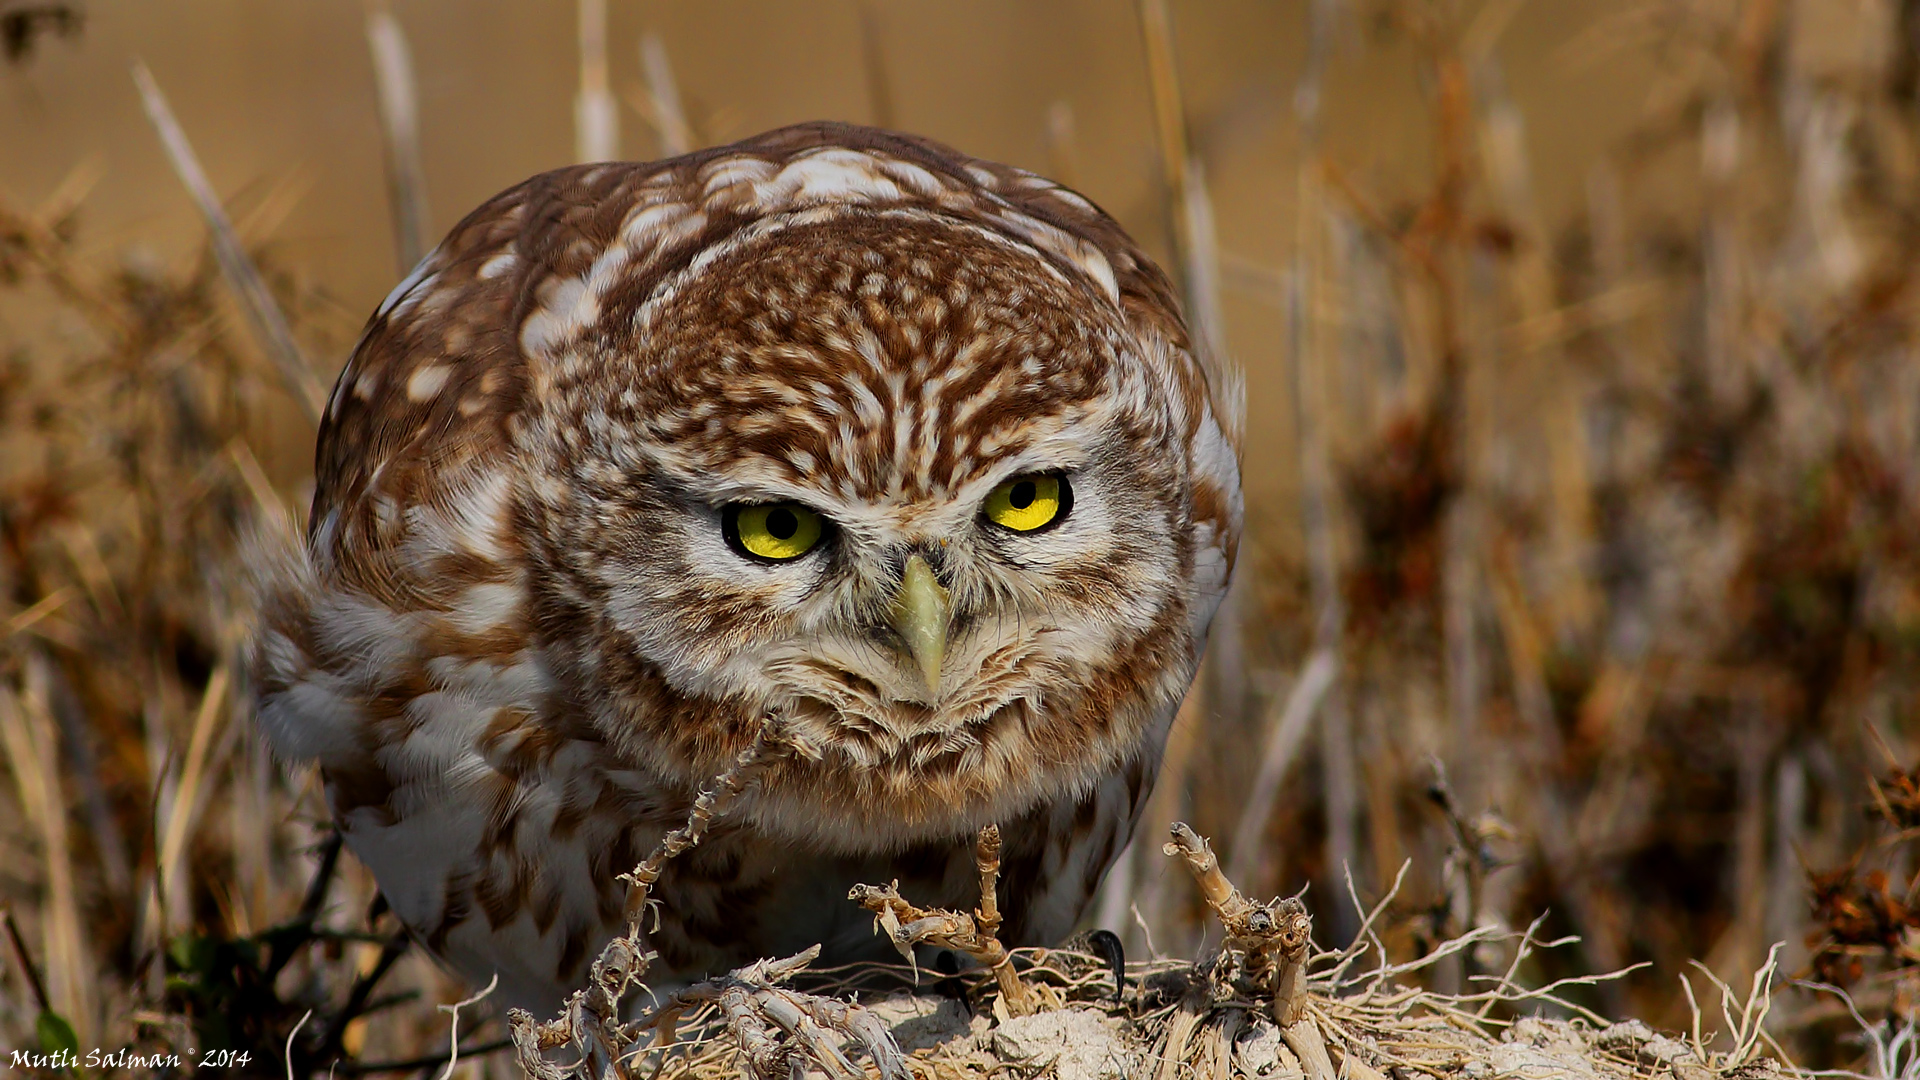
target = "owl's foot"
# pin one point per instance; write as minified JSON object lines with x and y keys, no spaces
{"x":907,"y":926}
{"x":759,"y":1013}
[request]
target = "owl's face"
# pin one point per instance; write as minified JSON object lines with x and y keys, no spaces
{"x":897,"y":481}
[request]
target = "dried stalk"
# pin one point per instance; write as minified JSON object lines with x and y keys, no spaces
{"x":1172,"y":1051}
{"x":590,"y":1020}
{"x":25,"y":959}
{"x":1191,"y":210}
{"x":664,"y":111}
{"x":400,"y":122}
{"x":1273,"y":937}
{"x":185,"y":806}
{"x":1285,"y":735}
{"x":1556,"y":387}
{"x":1311,"y":319}
{"x":33,"y":237}
{"x":32,"y":750}
{"x":708,"y":805}
{"x":1303,"y":1036}
{"x":596,"y":122}
{"x":1272,"y":942}
{"x":255,"y":298}
{"x":753,"y":1005}
{"x":1063,"y":144}
{"x":1190,"y":215}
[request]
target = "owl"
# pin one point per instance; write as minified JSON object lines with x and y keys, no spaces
{"x":905,"y":454}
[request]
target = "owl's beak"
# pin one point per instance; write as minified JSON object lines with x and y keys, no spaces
{"x":920,"y":611}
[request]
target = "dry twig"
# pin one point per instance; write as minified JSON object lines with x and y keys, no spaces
{"x":596,"y":122}
{"x":908,"y":926}
{"x":748,"y":998}
{"x":590,"y":1019}
{"x":400,"y":123}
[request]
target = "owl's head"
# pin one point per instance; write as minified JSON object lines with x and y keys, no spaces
{"x":904,"y":449}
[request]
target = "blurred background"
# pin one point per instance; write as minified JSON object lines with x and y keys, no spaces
{"x":1583,"y":492}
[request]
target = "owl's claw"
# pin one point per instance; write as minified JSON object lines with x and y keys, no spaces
{"x":1106,"y":945}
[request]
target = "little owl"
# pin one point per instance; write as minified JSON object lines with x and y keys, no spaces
{"x":904,"y":453}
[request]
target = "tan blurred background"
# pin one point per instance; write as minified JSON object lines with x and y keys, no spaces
{"x":279,"y":98}
{"x":1584,"y":416}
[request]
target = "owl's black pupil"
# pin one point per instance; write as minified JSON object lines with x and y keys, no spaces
{"x":1022,"y":494}
{"x":782,"y":523}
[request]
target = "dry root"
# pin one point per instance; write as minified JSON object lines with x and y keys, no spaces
{"x":754,"y":1007}
{"x":973,"y":934}
{"x":1268,"y":945}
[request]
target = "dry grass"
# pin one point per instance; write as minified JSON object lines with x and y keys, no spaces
{"x":1613,"y":518}
{"x":158,"y":866}
{"x":1264,"y":1001}
{"x":1600,"y":572}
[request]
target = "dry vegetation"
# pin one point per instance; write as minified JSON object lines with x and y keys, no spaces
{"x":1263,"y":1003}
{"x":1618,"y":517}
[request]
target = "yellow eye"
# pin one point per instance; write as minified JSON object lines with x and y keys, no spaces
{"x":1026,"y":503}
{"x":777,"y":531}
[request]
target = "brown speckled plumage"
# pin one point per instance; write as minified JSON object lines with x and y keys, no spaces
{"x":517,"y":641}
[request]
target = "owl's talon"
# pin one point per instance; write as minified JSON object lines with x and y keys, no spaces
{"x":1106,"y":945}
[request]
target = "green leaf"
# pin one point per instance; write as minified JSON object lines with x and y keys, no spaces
{"x":182,"y":952}
{"x":55,"y":1034}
